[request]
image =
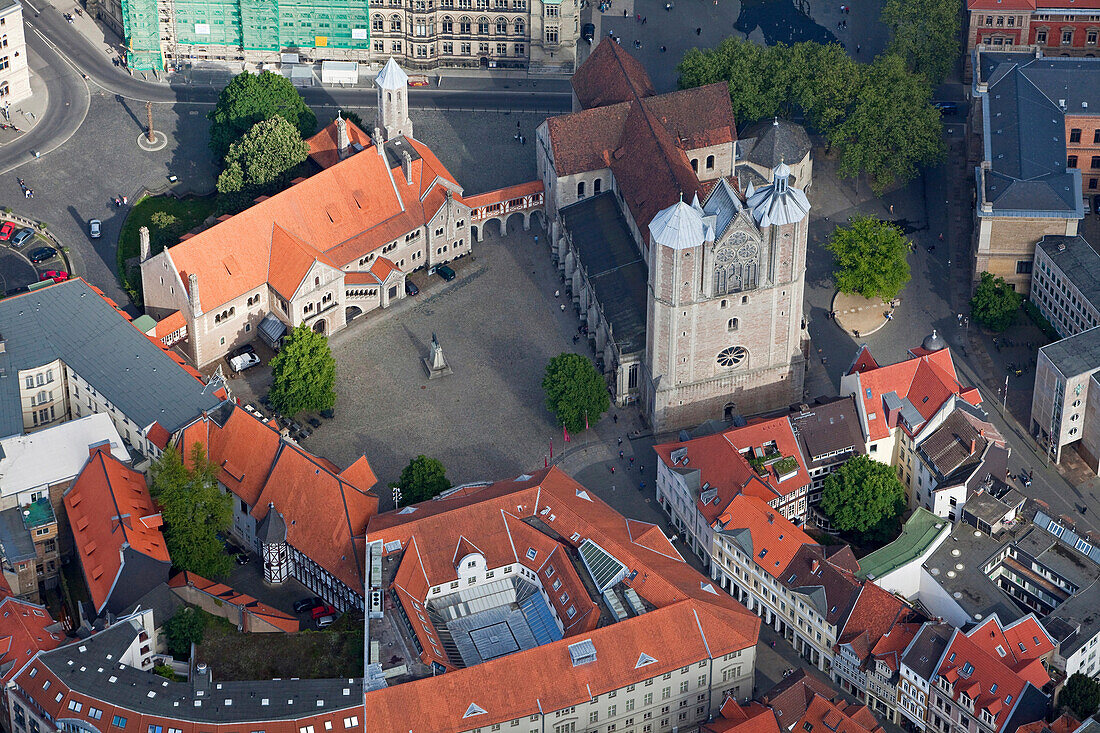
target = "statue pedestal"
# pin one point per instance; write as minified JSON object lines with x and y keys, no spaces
{"x":434,"y":362}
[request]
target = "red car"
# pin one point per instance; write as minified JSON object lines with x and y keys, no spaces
{"x":322,"y":611}
{"x":58,"y":276}
{"x":6,"y":231}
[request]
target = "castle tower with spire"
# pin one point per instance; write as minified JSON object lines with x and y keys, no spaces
{"x":393,"y":101}
{"x":724,"y":323}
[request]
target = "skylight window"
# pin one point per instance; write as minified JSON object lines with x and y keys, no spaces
{"x":531,"y":553}
{"x":1001,"y":650}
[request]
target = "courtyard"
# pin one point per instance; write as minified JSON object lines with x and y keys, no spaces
{"x":498,"y":323}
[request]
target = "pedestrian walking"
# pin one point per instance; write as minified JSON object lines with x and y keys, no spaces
{"x":620,"y":440}
{"x":891,"y":209}
{"x":632,"y":460}
{"x":620,"y":455}
{"x":624,"y":12}
{"x":857,"y":48}
{"x":557,"y":293}
{"x":638,"y":17}
{"x":536,"y":239}
{"x":637,"y":43}
{"x":563,"y":307}
{"x":698,"y":31}
{"x":662,"y":49}
{"x":644,"y":20}
{"x":941,"y":236}
{"x":612,"y":469}
{"x":615,"y":418}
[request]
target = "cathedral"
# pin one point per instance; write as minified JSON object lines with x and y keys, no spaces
{"x":683,"y":247}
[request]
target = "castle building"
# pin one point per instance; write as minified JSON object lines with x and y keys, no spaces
{"x":684,"y":249}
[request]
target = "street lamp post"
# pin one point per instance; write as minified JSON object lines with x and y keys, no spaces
{"x":396,"y":496}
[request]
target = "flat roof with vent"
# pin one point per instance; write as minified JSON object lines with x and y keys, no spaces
{"x":605,"y":570}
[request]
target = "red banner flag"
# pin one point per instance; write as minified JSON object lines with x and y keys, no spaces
{"x":545,"y":463}
{"x":565,"y":433}
{"x":551,"y":447}
{"x":586,"y":419}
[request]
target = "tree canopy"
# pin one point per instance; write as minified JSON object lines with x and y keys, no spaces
{"x":423,"y":479}
{"x":250,"y":98}
{"x":1081,"y":695}
{"x":265,"y":154}
{"x":863,"y":496}
{"x":925,"y":34}
{"x":183,"y":628}
{"x":303,"y":373}
{"x":871,"y":258}
{"x":995,"y":303}
{"x":194,"y":509}
{"x":576,"y":392}
{"x":878,"y":116}
{"x":891,"y":127}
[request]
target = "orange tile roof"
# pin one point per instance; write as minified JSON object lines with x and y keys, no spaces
{"x":875,"y":613}
{"x":823,"y":714}
{"x":750,"y":718}
{"x":168,"y":325}
{"x":723,"y":466}
{"x":1065,"y":723}
{"x":774,"y":539}
{"x":927,"y":381}
{"x":325,"y":511}
{"x":496,"y":520}
{"x":610,"y":75}
{"x":25,"y":628}
{"x":503,"y":195}
{"x":106,"y":505}
{"x":336,"y":216}
{"x":1024,"y":642}
{"x":246,"y":604}
{"x":324,"y":147}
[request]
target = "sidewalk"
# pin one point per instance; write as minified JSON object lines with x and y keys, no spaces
{"x":28,"y":112}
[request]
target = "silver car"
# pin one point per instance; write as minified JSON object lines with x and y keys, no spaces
{"x":94,"y":228}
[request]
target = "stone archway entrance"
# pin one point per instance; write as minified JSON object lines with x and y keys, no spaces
{"x":730,"y":411}
{"x":319,"y":326}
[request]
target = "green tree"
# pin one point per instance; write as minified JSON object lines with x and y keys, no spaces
{"x":827,"y":83}
{"x":266,"y":154}
{"x":870,"y":257}
{"x":995,"y":303}
{"x":303,"y":373}
{"x":183,"y":628}
{"x":423,"y":479}
{"x":575,"y":392}
{"x":251,"y":98}
{"x":925,"y":34}
{"x":862,"y":496}
{"x":195,"y":510}
{"x":1081,"y":695}
{"x":891,"y":128}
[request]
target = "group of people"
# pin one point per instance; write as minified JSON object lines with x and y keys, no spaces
{"x":28,"y":193}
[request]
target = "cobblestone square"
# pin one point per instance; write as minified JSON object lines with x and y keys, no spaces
{"x":498,"y":324}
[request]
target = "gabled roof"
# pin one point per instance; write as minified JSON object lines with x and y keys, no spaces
{"x":610,"y":75}
{"x":763,"y":533}
{"x":826,"y":580}
{"x":109,"y":510}
{"x":246,"y":604}
{"x":749,"y":718}
{"x":25,"y":629}
{"x":325,"y":512}
{"x":919,"y":385}
{"x":336,"y":217}
{"x":822,"y":714}
{"x":874,"y":614}
{"x":1020,"y":645}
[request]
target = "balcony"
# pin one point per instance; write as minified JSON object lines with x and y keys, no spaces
{"x":37,"y":514}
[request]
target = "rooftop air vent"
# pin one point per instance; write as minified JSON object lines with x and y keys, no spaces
{"x":582,"y":652}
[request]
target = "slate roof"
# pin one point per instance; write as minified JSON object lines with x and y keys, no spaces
{"x":614,"y":267}
{"x":826,"y":577}
{"x":769,"y":143}
{"x":1024,"y":132}
{"x":88,"y":671}
{"x":15,"y":541}
{"x":73,"y":322}
{"x":926,"y":649}
{"x":828,"y":426}
{"x":1079,"y":262}
{"x":1077,"y":354}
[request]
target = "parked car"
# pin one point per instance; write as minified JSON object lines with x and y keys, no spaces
{"x":307,"y":604}
{"x":326,"y":621}
{"x":22,"y":236}
{"x":58,"y":276}
{"x":947,"y":108}
{"x":241,"y":558}
{"x":588,"y":31}
{"x":320,"y":611}
{"x":94,"y":228}
{"x":42,"y":254}
{"x":244,"y":361}
{"x":445,"y":272}
{"x":6,"y":230}
{"x":410,"y":288}
{"x":246,"y":349}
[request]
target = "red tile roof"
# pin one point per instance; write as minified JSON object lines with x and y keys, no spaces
{"x":246,"y":604}
{"x":324,"y":147}
{"x":503,"y":194}
{"x":325,"y":512}
{"x":1065,"y":723}
{"x":822,"y":714}
{"x":610,"y":75}
{"x":722,"y":462}
{"x":25,"y":628}
{"x":336,"y":216}
{"x":874,"y":614}
{"x":774,"y":540}
{"x":693,"y":619}
{"x":109,"y":509}
{"x":927,"y":381}
{"x":750,"y":718}
{"x":1020,"y":645}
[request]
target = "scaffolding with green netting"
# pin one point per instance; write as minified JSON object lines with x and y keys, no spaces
{"x":247,"y":25}
{"x":142,"y":30}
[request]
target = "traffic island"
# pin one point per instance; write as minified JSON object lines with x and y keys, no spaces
{"x":159,"y":141}
{"x":861,"y":316}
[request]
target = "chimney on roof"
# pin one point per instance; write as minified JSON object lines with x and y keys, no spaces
{"x":814,"y":567}
{"x":377,"y":138}
{"x":973,"y":446}
{"x":771,"y":518}
{"x":193,"y":293}
{"x":343,"y":144}
{"x":407,"y":166}
{"x":202,"y":679}
{"x":102,"y":445}
{"x":143,"y":238}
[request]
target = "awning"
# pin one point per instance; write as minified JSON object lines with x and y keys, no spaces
{"x":272,"y":330}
